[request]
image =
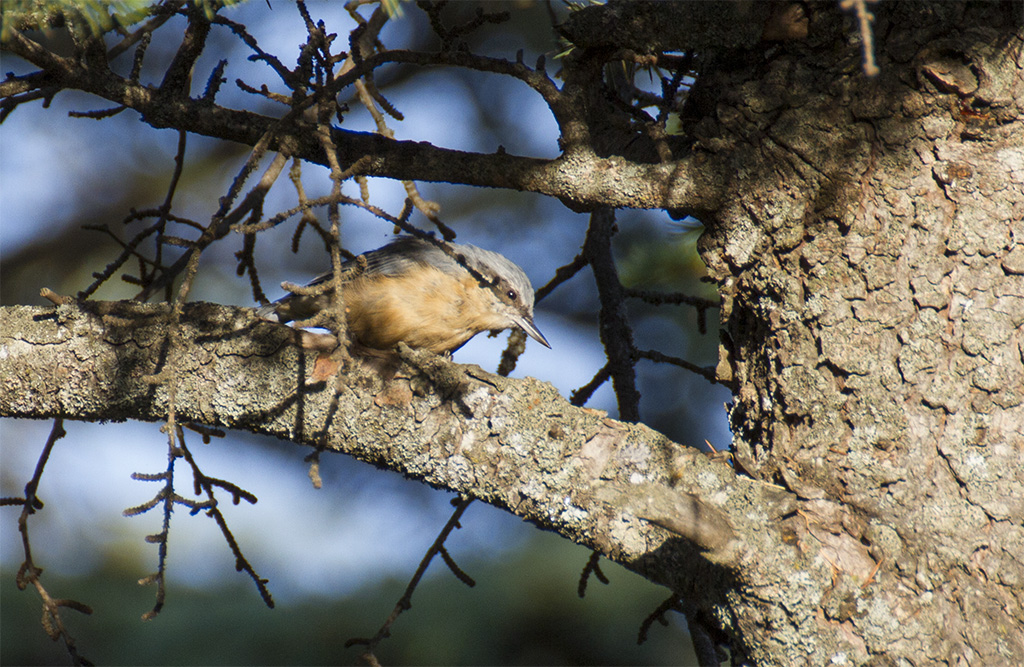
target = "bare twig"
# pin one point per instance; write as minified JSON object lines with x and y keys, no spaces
{"x":867,"y":40}
{"x":204,"y":484}
{"x":659,"y":298}
{"x":616,"y":333}
{"x":29,"y":572}
{"x":161,"y":14}
{"x":167,"y":498}
{"x":593,"y":566}
{"x":670,"y":604}
{"x":405,"y":602}
{"x":708,"y":373}
{"x":451,"y":34}
{"x":582,"y":395}
{"x":562,"y":274}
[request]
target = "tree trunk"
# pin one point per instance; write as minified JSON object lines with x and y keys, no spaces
{"x":871,"y":257}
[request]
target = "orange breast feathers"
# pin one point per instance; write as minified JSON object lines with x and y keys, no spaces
{"x":425,"y":307}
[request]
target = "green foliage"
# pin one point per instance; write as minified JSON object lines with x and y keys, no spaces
{"x":90,"y":17}
{"x":393,"y":8}
{"x":94,"y":16}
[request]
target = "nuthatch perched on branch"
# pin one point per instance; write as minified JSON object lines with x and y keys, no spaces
{"x":413,"y":291}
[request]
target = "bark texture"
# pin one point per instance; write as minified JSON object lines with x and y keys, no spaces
{"x":516,"y":444}
{"x":871,"y":259}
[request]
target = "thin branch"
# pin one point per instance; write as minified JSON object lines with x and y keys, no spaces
{"x":29,"y":572}
{"x":214,"y":82}
{"x":593,"y":566}
{"x":167,"y":498}
{"x":177,"y":79}
{"x":450,"y":35}
{"x":708,"y":373}
{"x":660,"y":298}
{"x":161,"y":14}
{"x":205,"y":485}
{"x":616,"y":332}
{"x":672,"y":298}
{"x":127,"y":252}
{"x":864,"y":19}
{"x":287,"y":76}
{"x":165,"y":208}
{"x":670,"y":604}
{"x":517,"y":339}
{"x":306,"y":206}
{"x":222,"y":221}
{"x":580,"y":396}
{"x":562,"y":274}
{"x":405,"y":602}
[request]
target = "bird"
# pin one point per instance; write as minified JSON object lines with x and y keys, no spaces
{"x":428,"y":294}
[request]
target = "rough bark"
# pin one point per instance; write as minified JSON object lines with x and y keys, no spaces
{"x":871,"y":258}
{"x":516,"y":444}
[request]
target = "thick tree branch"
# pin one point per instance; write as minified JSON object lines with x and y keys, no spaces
{"x":516,"y":444}
{"x":581,"y":179}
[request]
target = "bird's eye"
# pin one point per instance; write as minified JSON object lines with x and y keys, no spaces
{"x":511,"y":294}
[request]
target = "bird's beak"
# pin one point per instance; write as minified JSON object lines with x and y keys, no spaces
{"x":526,"y":324}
